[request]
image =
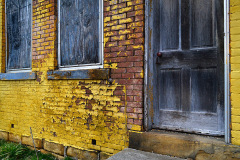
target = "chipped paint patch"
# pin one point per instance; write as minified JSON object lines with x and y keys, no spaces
{"x":111,"y":65}
{"x":106,"y":39}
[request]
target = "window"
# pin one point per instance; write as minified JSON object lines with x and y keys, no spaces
{"x":80,"y":37}
{"x":18,"y":34}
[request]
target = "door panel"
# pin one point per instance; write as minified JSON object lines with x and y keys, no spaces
{"x":169,"y":9}
{"x":202,"y":23}
{"x":188,"y":71}
{"x":203,"y":90}
{"x":169,"y":84}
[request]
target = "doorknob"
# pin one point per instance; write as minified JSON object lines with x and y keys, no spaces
{"x":159,"y":55}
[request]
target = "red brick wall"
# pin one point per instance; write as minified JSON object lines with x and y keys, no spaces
{"x":44,"y":35}
{"x":124,"y":32}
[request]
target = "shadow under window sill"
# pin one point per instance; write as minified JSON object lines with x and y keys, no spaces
{"x":90,"y":74}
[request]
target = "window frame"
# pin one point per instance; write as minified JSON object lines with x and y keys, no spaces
{"x":6,"y":44}
{"x":101,"y":42}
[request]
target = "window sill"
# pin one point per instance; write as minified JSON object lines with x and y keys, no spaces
{"x":93,"y":74}
{"x":17,"y":76}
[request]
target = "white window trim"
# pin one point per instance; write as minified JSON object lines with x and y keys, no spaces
{"x":101,"y":42}
{"x":6,"y":46}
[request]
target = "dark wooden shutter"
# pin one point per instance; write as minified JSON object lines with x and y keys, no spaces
{"x":79,"y":32}
{"x":19,"y":26}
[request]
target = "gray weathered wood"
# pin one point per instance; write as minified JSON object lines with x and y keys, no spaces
{"x":18,"y":76}
{"x":169,"y":26}
{"x":204,"y":90}
{"x":185,"y":87}
{"x":18,"y":14}
{"x":202,"y":23}
{"x":203,"y":123}
{"x":79,"y":32}
{"x":169,"y":84}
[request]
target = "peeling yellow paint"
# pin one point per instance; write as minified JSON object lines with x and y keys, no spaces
{"x":124,"y":31}
{"x":118,"y":27}
{"x":112,"y":65}
{"x":69,"y":112}
{"x":107,"y":19}
{"x":120,"y":16}
{"x":106,"y":39}
{"x":142,"y":74}
{"x":125,"y":9}
{"x":128,"y":20}
{"x":108,"y":34}
{"x":139,"y":47}
{"x":132,"y":36}
{"x":136,"y":128}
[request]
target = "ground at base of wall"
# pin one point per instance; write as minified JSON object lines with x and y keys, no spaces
{"x":132,"y":154}
{"x":58,"y":150}
{"x":184,"y":145}
{"x":12,"y":151}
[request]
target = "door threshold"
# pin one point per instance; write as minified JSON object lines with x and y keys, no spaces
{"x":183,"y":145}
{"x":178,"y":131}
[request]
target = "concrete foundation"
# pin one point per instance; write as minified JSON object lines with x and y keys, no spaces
{"x":184,"y":145}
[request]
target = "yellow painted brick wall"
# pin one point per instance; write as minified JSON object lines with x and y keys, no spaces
{"x":235,"y":69}
{"x":73,"y":112}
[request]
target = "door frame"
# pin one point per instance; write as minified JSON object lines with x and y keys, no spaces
{"x":148,"y":75}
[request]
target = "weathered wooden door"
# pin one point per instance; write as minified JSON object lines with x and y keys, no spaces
{"x":186,"y":65}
